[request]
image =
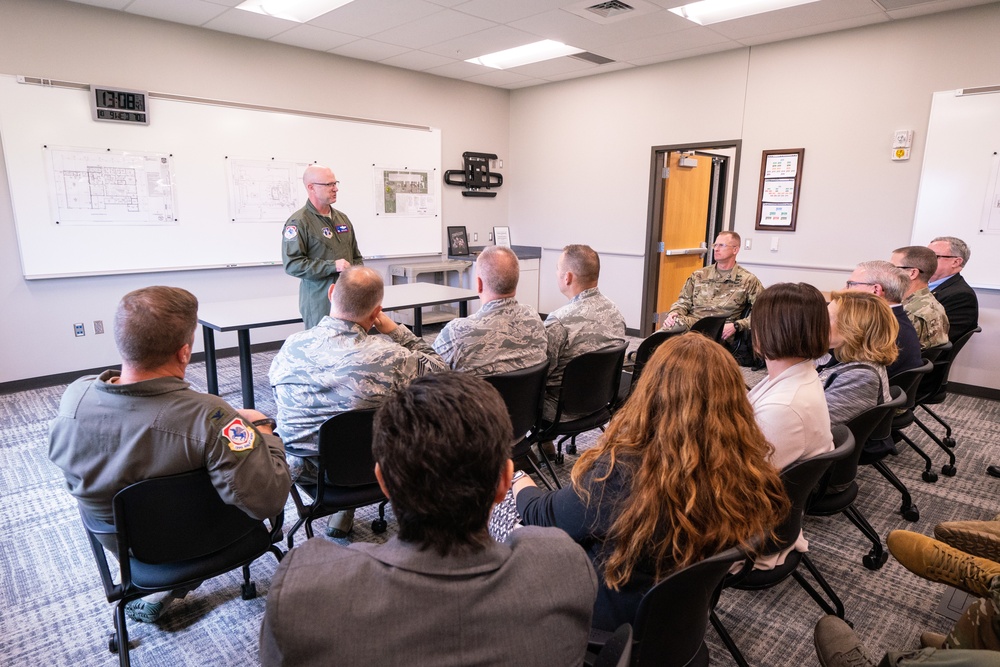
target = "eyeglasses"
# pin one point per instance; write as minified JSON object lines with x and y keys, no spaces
{"x":906,"y":268}
{"x":947,"y":256}
{"x":723,"y":245}
{"x":327,"y":185}
{"x":851,"y":284}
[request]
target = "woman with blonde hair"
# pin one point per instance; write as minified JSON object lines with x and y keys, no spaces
{"x":681,"y":474}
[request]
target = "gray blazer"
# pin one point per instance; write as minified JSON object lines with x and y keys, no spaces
{"x":526,"y":602}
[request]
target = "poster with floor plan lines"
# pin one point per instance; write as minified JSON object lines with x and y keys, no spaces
{"x":107,"y":186}
{"x":264,"y":190}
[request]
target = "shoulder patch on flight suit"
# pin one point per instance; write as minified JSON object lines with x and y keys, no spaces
{"x":291,"y":231}
{"x":327,"y":233}
{"x":241,"y":438}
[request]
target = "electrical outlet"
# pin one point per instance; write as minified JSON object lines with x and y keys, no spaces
{"x":78,"y":330}
{"x":98,"y":326}
{"x":747,"y":244}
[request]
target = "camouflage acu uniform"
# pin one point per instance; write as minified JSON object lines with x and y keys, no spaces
{"x":503,"y":336}
{"x":928,"y":317}
{"x":337,"y":366}
{"x":711,"y":292}
{"x":589,"y":322}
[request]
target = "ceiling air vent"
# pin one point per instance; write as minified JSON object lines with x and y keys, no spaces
{"x":592,"y":58}
{"x":609,"y":10}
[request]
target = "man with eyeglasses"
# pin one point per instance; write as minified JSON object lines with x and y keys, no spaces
{"x":927,"y":315}
{"x":725,"y":288}
{"x":950,"y":288}
{"x":885,"y":280}
{"x":318,"y":243}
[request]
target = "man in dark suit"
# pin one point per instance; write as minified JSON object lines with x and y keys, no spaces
{"x":442,"y":592}
{"x":949,"y":287}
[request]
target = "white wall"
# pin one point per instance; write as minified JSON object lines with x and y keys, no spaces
{"x":840,"y":96}
{"x":73,"y":42}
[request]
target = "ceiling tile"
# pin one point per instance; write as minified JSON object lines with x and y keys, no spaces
{"x":310,"y":37}
{"x":547,"y":68}
{"x":107,"y":4}
{"x":578,"y":74}
{"x":418,"y":60}
{"x":497,"y":38}
{"x":689,"y":53}
{"x":190,"y":12}
{"x":369,"y":49}
{"x":508,"y":10}
{"x":249,"y":24}
{"x":458,"y":70}
{"x":497,"y":77}
{"x":793,"y":18}
{"x":932,"y":7}
{"x":440,"y":27}
{"x":807,"y":31}
{"x":368,"y":17}
{"x":673,"y":42}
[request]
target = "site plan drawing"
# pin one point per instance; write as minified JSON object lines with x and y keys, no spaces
{"x":264,"y":190}
{"x":405,"y":192}
{"x":106,"y":186}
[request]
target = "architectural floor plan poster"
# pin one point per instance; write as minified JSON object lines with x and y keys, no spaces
{"x":264,"y":190}
{"x":107,"y":186}
{"x":406,"y":192}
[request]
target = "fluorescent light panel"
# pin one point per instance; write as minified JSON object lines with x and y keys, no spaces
{"x":525,"y":55}
{"x":708,"y":12}
{"x":300,"y":11}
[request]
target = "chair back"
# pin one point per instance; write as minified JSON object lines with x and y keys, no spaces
{"x":646,"y":349}
{"x":800,"y":479}
{"x":909,"y":379}
{"x":590,"y":381}
{"x":617,"y":651}
{"x":345,"y":449}
{"x":177,"y":518}
{"x":673,"y":615}
{"x":934,"y":387}
{"x":932,"y":353}
{"x":875,"y":422}
{"x":523,"y":392}
{"x":711,"y":326}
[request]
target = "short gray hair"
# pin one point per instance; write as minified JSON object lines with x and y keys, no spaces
{"x":894,"y":282}
{"x":958,"y":248}
{"x":358,"y":291}
{"x":499,"y":269}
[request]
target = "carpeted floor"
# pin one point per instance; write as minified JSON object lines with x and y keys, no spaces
{"x":52,"y":608}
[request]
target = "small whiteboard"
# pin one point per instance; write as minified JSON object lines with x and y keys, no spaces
{"x":205,"y":148}
{"x":959,"y":192}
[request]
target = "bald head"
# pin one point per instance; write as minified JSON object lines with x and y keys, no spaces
{"x":321,"y":187}
{"x":498,"y":269}
{"x":357,"y":294}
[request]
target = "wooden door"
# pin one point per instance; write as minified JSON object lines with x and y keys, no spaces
{"x":684,"y":224}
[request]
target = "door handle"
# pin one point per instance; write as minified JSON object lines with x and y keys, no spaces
{"x":685,"y":251}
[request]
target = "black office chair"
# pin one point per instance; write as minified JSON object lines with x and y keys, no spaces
{"x":673,"y":616}
{"x":616,"y":651}
{"x":800,"y":478}
{"x":523,"y":391}
{"x":175,"y":532}
{"x":710,"y":326}
{"x":933,"y":390}
{"x":645,"y":350}
{"x":908,"y":381}
{"x":875,"y":422}
{"x":588,"y":395}
{"x":346,"y":476}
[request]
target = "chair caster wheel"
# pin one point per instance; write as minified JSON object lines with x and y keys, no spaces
{"x":248,"y":591}
{"x":872,"y":563}
{"x":948,"y":470}
{"x":911,"y":513}
{"x":570,"y":449}
{"x":559,"y":458}
{"x":929,"y":476}
{"x":379,"y":526}
{"x":113,"y":643}
{"x":949,"y":442}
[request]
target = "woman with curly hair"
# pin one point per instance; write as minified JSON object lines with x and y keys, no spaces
{"x":681,"y":474}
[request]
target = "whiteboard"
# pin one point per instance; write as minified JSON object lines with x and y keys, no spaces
{"x":958,"y":193}
{"x":198,"y":139}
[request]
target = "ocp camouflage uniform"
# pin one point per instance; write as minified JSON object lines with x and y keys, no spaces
{"x":928,"y":317}
{"x":979,"y":626}
{"x":337,"y":366}
{"x":710,"y":292}
{"x":589,"y":322}
{"x":502,"y":336}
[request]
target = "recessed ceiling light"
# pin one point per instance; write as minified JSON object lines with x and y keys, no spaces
{"x":708,"y":12}
{"x":300,"y":11}
{"x":525,"y":55}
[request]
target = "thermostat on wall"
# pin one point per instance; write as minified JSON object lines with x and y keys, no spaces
{"x":119,"y":105}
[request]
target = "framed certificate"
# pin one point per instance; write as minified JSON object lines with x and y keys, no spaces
{"x":501,"y":236}
{"x":780,"y":182}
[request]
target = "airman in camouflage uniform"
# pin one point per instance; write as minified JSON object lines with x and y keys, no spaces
{"x":503,"y":335}
{"x":925,"y":312}
{"x":725,"y":288}
{"x":589,"y":322}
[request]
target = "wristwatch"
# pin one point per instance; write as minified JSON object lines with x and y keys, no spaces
{"x":267,"y":421}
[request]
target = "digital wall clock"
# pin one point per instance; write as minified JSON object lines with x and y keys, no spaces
{"x":118,"y":105}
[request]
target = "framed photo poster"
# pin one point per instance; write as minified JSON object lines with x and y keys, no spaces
{"x":780,"y":182}
{"x":458,"y":241}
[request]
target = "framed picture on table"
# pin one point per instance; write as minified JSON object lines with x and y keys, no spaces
{"x":458,"y":241}
{"x":501,"y":236}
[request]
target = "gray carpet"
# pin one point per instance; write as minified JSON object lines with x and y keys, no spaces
{"x":53,"y":611}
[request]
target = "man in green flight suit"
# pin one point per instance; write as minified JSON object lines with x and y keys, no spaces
{"x":318,"y":243}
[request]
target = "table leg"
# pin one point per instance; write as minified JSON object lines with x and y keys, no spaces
{"x":246,"y":368}
{"x":418,"y":322}
{"x":211,"y":370}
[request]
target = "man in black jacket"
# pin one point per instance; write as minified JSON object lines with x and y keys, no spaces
{"x":949,"y":287}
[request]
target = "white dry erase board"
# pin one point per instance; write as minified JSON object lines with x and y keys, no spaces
{"x":959,"y":193}
{"x":175,"y":185}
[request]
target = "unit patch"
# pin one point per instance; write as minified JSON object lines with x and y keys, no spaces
{"x":291,"y":231}
{"x":239,"y":435}
{"x":327,"y":233}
